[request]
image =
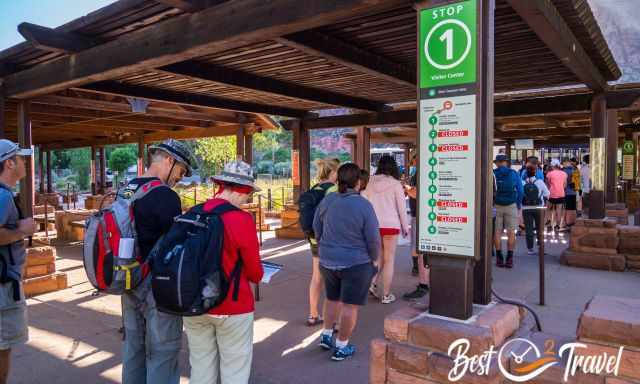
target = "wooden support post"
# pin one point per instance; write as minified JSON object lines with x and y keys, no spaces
{"x":93,"y":170}
{"x":49,"y":178}
{"x":248,"y":149}
{"x":103,"y":171}
{"x":240,"y":143}
{"x":598,"y":130}
{"x":407,"y":160}
{"x":300,"y":146}
{"x":140,"y":156}
{"x":354,"y":150}
{"x":611,"y":190}
{"x":27,"y":196}
{"x":507,"y":149}
{"x":3,"y":133}
{"x":41,"y":169}
{"x":363,"y":140}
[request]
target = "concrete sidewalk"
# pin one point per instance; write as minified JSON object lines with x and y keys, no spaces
{"x":74,"y":335}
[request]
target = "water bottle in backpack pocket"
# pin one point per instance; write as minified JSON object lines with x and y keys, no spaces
{"x":186,"y":264}
{"x":111,"y":258}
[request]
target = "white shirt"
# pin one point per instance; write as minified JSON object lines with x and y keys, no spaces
{"x":543,"y":191}
{"x":585,"y":178}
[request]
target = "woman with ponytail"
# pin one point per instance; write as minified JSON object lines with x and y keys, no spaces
{"x":327,"y":170}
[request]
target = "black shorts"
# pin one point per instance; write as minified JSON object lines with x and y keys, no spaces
{"x":570,"y":203}
{"x":350,"y":285}
{"x":557,"y":201}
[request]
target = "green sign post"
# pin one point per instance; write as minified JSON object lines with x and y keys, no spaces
{"x":628,"y":159}
{"x":451,"y":211}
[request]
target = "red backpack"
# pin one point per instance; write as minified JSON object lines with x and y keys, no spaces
{"x":107,"y":271}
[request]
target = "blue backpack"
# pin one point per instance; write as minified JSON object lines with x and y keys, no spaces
{"x":506,"y":189}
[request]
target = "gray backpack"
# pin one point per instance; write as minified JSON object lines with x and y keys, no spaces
{"x":107,"y":271}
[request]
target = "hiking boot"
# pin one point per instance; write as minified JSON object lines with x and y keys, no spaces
{"x":414,"y":270}
{"x":509,"y":263}
{"x":343,"y":353}
{"x":499,"y":261}
{"x":388,"y":299}
{"x":531,"y":251}
{"x":419,"y":293}
{"x":326,"y":341}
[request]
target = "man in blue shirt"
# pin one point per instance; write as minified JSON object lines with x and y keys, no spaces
{"x":507,"y":201}
{"x":13,"y":230}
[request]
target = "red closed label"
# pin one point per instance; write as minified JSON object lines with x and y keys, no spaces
{"x":452,"y":219}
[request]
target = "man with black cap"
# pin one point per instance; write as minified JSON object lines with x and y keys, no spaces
{"x":153,"y":339}
{"x":13,"y":230}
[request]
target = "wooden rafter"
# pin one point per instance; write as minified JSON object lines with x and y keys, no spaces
{"x":120,"y":89}
{"x":219,"y":74}
{"x":49,"y":39}
{"x":229,"y":25}
{"x":190,"y":5}
{"x":545,"y":20}
{"x":317,"y":44}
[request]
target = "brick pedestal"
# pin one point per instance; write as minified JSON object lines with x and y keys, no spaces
{"x":415,"y":347}
{"x":39,"y":274}
{"x":594,"y":244}
{"x":290,"y":224}
{"x":65,"y":229}
{"x":97,"y":201}
{"x":619,"y":212}
{"x":629,"y":245}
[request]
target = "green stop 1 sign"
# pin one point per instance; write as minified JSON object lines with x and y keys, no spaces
{"x":448,"y":44}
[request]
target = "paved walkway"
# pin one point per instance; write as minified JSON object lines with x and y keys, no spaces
{"x":75,"y":339}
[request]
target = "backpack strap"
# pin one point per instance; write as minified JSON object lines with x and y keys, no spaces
{"x":146,"y":188}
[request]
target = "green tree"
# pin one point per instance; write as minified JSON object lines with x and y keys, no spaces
{"x":215,"y":152}
{"x":122,"y":158}
{"x":270,"y":145}
{"x":80,"y":165}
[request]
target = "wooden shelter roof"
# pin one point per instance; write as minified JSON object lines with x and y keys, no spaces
{"x":277,"y":58}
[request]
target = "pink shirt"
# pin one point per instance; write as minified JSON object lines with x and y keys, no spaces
{"x":557,"y":180}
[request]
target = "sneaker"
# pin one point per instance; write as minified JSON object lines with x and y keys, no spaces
{"x":531,"y":251}
{"x":388,"y":299}
{"x":326,"y":341}
{"x":343,"y":353}
{"x":373,"y":291}
{"x":419,"y":293}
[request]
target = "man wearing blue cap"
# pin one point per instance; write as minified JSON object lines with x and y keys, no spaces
{"x":13,"y":230}
{"x":507,"y":200}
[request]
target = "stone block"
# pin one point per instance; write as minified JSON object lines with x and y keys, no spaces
{"x":378,"y":361}
{"x":98,"y":201}
{"x":395,"y":377}
{"x":40,"y":256}
{"x":633,"y":264}
{"x":611,"y":262}
{"x":594,"y":237}
{"x":440,"y":365}
{"x":502,"y":319}
{"x":38,"y":270}
{"x":615,"y":206}
{"x":64,"y":224}
{"x":629,"y":230}
{"x":396,"y":325}
{"x":44,"y":284}
{"x":438,"y":334}
{"x":611,"y":319}
{"x":39,"y":210}
{"x":588,"y":223}
{"x":408,"y":359}
{"x":595,"y":250}
{"x":632,"y":257}
{"x":629,"y":363}
{"x":581,"y":231}
{"x":620,"y":215}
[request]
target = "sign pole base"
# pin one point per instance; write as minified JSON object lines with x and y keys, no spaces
{"x":451,"y":286}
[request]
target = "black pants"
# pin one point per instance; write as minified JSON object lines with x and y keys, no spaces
{"x":530,"y":217}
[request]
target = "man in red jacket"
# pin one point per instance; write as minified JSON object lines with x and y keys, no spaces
{"x":221,"y":342}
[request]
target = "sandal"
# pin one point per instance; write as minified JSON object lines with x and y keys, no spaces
{"x":313,"y":321}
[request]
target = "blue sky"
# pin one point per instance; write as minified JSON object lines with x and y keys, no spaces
{"x":50,"y":13}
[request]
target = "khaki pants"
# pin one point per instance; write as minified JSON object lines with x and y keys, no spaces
{"x":220,"y":347}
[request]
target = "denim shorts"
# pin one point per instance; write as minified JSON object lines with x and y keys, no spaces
{"x":349,"y":285}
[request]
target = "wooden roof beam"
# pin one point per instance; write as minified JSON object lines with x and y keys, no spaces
{"x":120,"y":89}
{"x":216,"y":29}
{"x":545,"y":20}
{"x":229,"y":76}
{"x":339,"y":52}
{"x":190,"y":6}
{"x":49,"y":39}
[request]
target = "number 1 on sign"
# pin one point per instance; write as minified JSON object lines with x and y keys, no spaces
{"x":447,"y":36}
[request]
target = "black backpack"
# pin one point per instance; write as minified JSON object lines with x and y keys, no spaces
{"x":308,"y":203}
{"x":7,"y":259}
{"x":531,"y":194}
{"x":186,"y":264}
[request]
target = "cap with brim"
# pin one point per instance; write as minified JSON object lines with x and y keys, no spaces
{"x":179,"y":155}
{"x":233,"y":178}
{"x":501,"y":158}
{"x":8,"y":149}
